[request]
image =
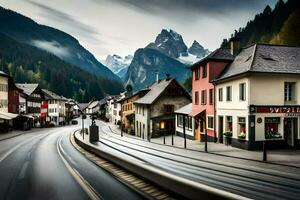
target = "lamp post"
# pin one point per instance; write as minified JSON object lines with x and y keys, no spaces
{"x":82,"y":125}
{"x":184,"y":134}
{"x":205,"y":147}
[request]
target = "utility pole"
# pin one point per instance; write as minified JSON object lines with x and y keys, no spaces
{"x":184,"y":134}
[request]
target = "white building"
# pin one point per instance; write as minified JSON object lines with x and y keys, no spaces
{"x":92,"y":108}
{"x":56,"y":107}
{"x":258,"y":97}
{"x":185,"y":123}
{"x":154,"y":112}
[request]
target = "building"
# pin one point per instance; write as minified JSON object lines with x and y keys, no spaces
{"x":6,"y":117}
{"x":56,"y":107}
{"x":154,"y":113}
{"x":116,"y":115}
{"x":128,"y":110}
{"x":203,"y":108}
{"x":13,"y":97}
{"x":93,"y":108}
{"x":185,"y":124}
{"x":258,"y":97}
{"x":34,"y":97}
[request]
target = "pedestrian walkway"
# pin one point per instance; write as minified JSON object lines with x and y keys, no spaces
{"x":11,"y":134}
{"x":288,"y":157}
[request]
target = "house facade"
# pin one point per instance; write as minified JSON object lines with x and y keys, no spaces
{"x":154,"y":113}
{"x":3,"y":92}
{"x":203,"y":104}
{"x":258,"y":97}
{"x":128,"y":111}
{"x":56,"y":107}
{"x":185,"y":124}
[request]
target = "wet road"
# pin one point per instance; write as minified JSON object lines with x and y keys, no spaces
{"x":43,"y":164}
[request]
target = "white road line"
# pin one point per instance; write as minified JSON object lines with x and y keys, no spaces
{"x":23,"y":170}
{"x":88,"y":189}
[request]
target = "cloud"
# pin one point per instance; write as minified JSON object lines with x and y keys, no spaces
{"x":52,"y":47}
{"x":66,"y":19}
{"x":181,"y":8}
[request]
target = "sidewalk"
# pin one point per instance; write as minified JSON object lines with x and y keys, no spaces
{"x":283,"y":157}
{"x":11,"y":134}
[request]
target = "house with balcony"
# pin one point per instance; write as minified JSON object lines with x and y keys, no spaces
{"x":258,"y":97}
{"x":203,"y":98}
{"x":154,"y":112}
{"x":56,"y":107}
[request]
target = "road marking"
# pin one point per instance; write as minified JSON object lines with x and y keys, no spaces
{"x":23,"y":170}
{"x":88,"y":189}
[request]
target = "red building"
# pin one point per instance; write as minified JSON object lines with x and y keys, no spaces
{"x":203,"y":109}
{"x":44,"y":112}
{"x":13,"y":97}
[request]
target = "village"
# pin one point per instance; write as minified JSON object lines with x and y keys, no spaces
{"x":238,"y":98}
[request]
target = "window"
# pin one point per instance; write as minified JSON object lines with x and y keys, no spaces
{"x":289,"y":91}
{"x":143,"y":111}
{"x":180,"y":120}
{"x":271,"y":127}
{"x":242,"y":127}
{"x":228,"y":93}
{"x":243,"y":91}
{"x":197,"y":74}
{"x":190,"y":123}
{"x":196,"y":98}
{"x":210,"y":122}
{"x":169,"y":109}
{"x":211,"y":96}
{"x":203,"y":97}
{"x":220,"y":94}
{"x":229,"y":123}
{"x":204,"y":71}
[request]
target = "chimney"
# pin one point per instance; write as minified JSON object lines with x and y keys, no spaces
{"x":168,"y":77}
{"x":234,"y":45}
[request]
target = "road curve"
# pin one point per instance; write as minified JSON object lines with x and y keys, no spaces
{"x":44,"y":165}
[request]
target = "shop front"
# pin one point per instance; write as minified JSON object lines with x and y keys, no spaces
{"x":278,"y":125}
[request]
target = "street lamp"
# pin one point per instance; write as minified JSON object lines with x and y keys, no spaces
{"x":162,"y":127}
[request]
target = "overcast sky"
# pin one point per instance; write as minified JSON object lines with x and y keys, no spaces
{"x":122,"y":26}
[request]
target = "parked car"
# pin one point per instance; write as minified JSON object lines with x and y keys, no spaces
{"x":74,"y":122}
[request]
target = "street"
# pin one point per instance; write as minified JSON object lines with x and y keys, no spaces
{"x":44,"y":165}
{"x":247,"y":178}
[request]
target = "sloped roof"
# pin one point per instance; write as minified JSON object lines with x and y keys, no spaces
{"x":93,"y":104}
{"x":264,"y":58}
{"x":51,"y":95}
{"x":187,"y":109}
{"x":82,"y":106}
{"x":2,"y":73}
{"x":218,"y":54}
{"x":28,"y":88}
{"x":155,"y":91}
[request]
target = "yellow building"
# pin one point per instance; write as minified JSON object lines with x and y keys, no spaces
{"x":128,"y":110}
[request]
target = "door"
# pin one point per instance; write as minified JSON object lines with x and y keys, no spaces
{"x":290,"y":130}
{"x":220,"y":129}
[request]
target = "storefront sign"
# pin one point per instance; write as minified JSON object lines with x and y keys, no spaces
{"x":292,"y":114}
{"x":276,"y":109}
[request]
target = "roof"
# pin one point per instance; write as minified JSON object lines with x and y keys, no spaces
{"x":264,"y":58}
{"x":28,"y":88}
{"x":51,"y":95}
{"x":7,"y":116}
{"x":222,"y":54}
{"x":2,"y":73}
{"x":82,"y":106}
{"x":140,"y":92}
{"x":93,"y":104}
{"x":155,"y":90}
{"x":187,"y":109}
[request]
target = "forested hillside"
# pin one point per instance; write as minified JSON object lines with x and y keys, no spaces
{"x":277,"y":26}
{"x":30,"y":64}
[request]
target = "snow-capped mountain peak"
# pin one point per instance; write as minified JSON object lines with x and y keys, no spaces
{"x":117,"y":64}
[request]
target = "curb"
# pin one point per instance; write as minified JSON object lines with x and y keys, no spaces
{"x":177,"y":185}
{"x":11,"y":137}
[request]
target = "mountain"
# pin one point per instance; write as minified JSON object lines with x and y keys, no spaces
{"x":30,"y":64}
{"x":169,"y":43}
{"x":277,"y":26}
{"x":64,"y":46}
{"x":117,"y":64}
{"x":147,"y":63}
{"x":198,"y":50}
{"x":168,"y":54}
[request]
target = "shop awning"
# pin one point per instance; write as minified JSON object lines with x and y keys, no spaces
{"x":28,"y":116}
{"x":197,"y":112}
{"x":7,"y":116}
